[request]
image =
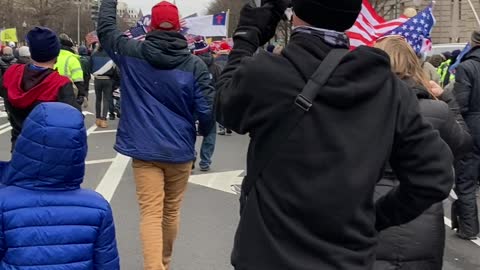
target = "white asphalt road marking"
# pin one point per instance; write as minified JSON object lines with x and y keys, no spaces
{"x":99,"y":161}
{"x":4,"y":125}
{"x":3,"y":114}
{"x":91,"y":129}
{"x":113,"y":176}
{"x":219,"y":181}
{"x":5,"y":130}
{"x":86,"y":113}
{"x":104,"y":131}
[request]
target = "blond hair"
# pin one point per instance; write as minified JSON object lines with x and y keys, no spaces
{"x":404,"y":60}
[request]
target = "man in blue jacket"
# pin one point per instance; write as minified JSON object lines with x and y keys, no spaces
{"x":164,"y":89}
{"x":47,"y":220}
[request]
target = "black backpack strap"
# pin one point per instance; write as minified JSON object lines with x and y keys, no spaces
{"x":289,"y":121}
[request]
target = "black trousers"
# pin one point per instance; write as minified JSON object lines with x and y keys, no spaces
{"x":103,"y":92}
{"x":465,"y":209}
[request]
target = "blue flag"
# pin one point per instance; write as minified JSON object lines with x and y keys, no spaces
{"x":460,"y":57}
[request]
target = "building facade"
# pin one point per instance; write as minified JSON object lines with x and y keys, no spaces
{"x":455,"y":18}
{"x":130,"y":15}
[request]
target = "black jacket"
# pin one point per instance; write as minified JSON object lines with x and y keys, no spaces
{"x":419,"y":245}
{"x":313,"y":206}
{"x":6,"y":61}
{"x":467,"y":90}
{"x":214,"y":68}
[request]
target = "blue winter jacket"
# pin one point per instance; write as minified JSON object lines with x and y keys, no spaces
{"x":164,"y":89}
{"x":102,"y":64}
{"x":47,"y":222}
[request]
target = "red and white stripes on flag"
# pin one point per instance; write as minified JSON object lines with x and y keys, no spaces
{"x":370,"y":26}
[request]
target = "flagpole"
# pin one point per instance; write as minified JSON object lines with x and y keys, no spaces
{"x":474,"y":11}
{"x":228,"y":23}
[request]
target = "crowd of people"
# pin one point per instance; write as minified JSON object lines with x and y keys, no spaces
{"x":347,"y":166}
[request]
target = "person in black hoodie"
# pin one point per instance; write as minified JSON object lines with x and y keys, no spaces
{"x":467,"y":92}
{"x":25,"y":86}
{"x":311,"y":206}
{"x":420,"y":243}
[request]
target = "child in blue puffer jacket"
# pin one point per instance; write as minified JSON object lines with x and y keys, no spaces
{"x":46,"y":220}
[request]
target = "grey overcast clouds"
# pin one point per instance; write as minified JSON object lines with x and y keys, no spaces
{"x":186,"y":7}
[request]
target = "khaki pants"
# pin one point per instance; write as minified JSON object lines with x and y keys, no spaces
{"x":160,"y":190}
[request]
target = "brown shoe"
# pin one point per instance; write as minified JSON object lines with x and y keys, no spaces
{"x":104,"y":124}
{"x":98,"y":122}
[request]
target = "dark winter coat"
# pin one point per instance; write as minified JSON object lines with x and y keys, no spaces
{"x":25,"y":87}
{"x":164,"y":89}
{"x":312,"y":208}
{"x":214,"y":68}
{"x":467,"y":91}
{"x":419,"y":245}
{"x":6,"y":61}
{"x":102,"y":65}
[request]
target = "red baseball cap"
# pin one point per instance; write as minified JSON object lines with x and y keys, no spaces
{"x":165,"y":17}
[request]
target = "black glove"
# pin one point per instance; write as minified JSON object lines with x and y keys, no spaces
{"x":258,"y":25}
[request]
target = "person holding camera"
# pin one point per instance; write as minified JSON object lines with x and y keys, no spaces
{"x":323,"y":123}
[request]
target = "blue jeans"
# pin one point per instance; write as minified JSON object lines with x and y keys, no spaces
{"x":208,"y":147}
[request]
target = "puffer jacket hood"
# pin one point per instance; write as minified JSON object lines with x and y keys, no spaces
{"x":165,"y":50}
{"x":50,"y":152}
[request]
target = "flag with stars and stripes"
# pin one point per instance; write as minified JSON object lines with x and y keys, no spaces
{"x":417,"y":30}
{"x":137,"y":32}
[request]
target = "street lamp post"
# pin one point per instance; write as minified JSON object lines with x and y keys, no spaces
{"x":78,"y":23}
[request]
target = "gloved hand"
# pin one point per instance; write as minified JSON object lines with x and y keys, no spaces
{"x":258,"y":25}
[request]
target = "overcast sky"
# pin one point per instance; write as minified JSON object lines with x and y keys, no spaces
{"x":186,"y":7}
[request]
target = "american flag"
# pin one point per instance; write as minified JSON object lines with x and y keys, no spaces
{"x":370,"y":26}
{"x":137,"y":32}
{"x":417,"y":30}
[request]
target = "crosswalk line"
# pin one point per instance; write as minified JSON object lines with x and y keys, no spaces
{"x":112,"y":178}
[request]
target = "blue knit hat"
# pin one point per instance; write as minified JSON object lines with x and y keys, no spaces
{"x":44,"y":44}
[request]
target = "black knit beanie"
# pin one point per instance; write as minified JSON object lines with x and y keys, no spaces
{"x":476,"y":38}
{"x":44,"y":44}
{"x":338,"y":15}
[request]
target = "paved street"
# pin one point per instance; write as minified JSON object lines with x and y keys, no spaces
{"x":210,"y":210}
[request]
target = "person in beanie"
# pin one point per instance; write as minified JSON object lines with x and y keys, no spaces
{"x":27,"y":85}
{"x":203,"y":51}
{"x":69,"y":65}
{"x":164,"y":90}
{"x":48,"y":220}
{"x":24,"y":55}
{"x":467,"y":92}
{"x":322,"y":128}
